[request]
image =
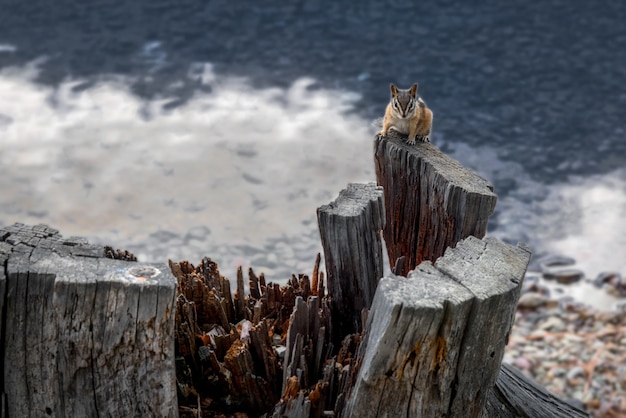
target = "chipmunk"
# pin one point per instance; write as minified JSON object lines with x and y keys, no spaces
{"x":407,"y":113}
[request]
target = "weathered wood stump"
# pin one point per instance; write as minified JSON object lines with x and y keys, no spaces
{"x":435,"y":340}
{"x":350,"y":231}
{"x":431,"y":201}
{"x":83,"y":335}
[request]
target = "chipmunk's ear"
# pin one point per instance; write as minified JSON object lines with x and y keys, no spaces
{"x":394,"y":90}
{"x":413,"y":90}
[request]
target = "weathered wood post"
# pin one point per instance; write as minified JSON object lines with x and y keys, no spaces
{"x":431,"y":201}
{"x":83,"y":335}
{"x":350,"y":232}
{"x":435,"y":340}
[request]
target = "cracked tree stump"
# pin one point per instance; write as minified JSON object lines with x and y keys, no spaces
{"x":350,"y":231}
{"x":431,"y":201}
{"x":434,"y":340}
{"x":83,"y":335}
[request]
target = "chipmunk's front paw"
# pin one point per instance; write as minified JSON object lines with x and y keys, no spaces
{"x":421,"y":138}
{"x":411,"y":141}
{"x":380,"y":134}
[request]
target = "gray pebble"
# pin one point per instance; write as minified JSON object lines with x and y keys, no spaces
{"x":559,"y":372}
{"x":531,"y":300}
{"x":564,"y":276}
{"x":604,"y":277}
{"x":555,"y":260}
{"x":575,"y":372}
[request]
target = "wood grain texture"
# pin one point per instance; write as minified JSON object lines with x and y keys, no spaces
{"x":493,"y":271}
{"x":431,"y":200}
{"x":434,"y":340}
{"x":516,"y":395}
{"x":85,"y":335}
{"x":350,"y":231}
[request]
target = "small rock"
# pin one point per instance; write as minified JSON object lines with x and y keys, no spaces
{"x":535,"y":316}
{"x":557,"y":385}
{"x":606,"y":277}
{"x":531,"y":350}
{"x":532,"y":301}
{"x":573,"y":338}
{"x":577,"y":394}
{"x":555,"y":260}
{"x":522,"y":363}
{"x":575,"y":372}
{"x":538,"y":288}
{"x":557,"y":372}
{"x":587,"y":397}
{"x":566,"y":302}
{"x":564,"y":276}
{"x":553,"y":324}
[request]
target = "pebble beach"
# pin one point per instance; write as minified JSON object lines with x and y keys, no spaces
{"x":576,"y":351}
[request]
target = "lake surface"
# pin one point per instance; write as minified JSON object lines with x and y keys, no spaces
{"x":188,"y":129}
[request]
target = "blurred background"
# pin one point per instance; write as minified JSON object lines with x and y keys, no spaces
{"x":188,"y":129}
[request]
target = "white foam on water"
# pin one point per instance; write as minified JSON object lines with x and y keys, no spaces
{"x":593,"y":211}
{"x":583,"y":218}
{"x":249,"y":163}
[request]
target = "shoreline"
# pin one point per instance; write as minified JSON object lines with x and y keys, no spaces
{"x":574,"y":350}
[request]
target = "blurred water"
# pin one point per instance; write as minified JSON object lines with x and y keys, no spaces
{"x":185,"y":129}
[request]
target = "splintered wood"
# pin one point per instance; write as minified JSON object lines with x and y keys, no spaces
{"x":265,"y":352}
{"x":350,"y":232}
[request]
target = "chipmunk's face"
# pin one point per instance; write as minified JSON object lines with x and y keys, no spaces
{"x":404,"y":101}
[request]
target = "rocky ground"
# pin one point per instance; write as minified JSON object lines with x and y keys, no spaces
{"x":574,"y":350}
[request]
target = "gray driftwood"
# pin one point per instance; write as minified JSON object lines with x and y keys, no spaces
{"x":515,"y":395}
{"x":431,"y":201}
{"x":83,"y":335}
{"x":350,"y":230}
{"x":435,"y":340}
